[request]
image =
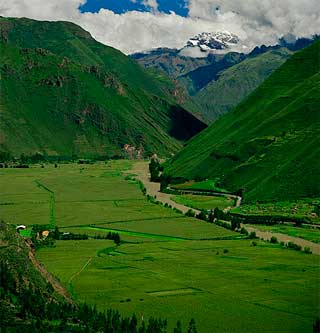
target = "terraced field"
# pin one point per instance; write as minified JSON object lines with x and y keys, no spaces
{"x":167,"y":265}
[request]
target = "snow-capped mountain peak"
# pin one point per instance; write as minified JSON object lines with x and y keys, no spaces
{"x":207,"y":42}
{"x":215,"y":41}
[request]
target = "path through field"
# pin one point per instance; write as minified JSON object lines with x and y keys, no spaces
{"x":141,"y":169}
{"x":80,"y":271}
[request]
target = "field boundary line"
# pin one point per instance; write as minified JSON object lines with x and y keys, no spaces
{"x":52,"y":202}
{"x":80,"y":271}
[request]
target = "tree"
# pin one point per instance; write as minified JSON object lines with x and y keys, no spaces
{"x":190,"y":213}
{"x":178,"y":328}
{"x":155,"y":169}
{"x":202,"y":215}
{"x":316,"y":326}
{"x":192,"y":326}
{"x":133,"y":324}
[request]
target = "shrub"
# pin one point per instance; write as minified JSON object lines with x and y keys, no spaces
{"x":223,"y":224}
{"x":235,"y":224}
{"x":244,"y":231}
{"x":190,"y":213}
{"x":202,"y":216}
{"x":273,"y":240}
{"x":254,"y":243}
{"x":177,"y":210}
{"x":252,"y":235}
{"x":225,"y":251}
{"x":307,"y":250}
{"x":294,"y":246}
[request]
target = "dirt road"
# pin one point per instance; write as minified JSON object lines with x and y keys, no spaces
{"x":142,"y":171}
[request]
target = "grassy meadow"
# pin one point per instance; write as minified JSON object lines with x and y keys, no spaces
{"x":203,"y":201}
{"x":167,"y":265}
{"x":306,"y":208}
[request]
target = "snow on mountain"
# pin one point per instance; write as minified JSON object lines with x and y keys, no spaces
{"x":206,"y":42}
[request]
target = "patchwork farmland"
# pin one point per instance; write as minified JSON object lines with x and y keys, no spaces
{"x":167,"y":265}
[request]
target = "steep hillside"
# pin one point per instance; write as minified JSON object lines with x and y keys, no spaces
{"x":232,"y":85}
{"x":63,"y":93}
{"x":27,"y":291}
{"x":201,"y":76}
{"x":269,"y":144}
{"x":169,"y":61}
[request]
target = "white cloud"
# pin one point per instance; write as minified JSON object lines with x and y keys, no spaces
{"x":151,"y":4}
{"x":254,"y":21}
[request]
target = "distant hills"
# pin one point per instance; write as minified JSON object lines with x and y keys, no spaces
{"x":218,"y":82}
{"x":63,"y":93}
{"x":268,"y":146}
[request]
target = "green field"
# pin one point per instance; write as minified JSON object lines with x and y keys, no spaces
{"x":306,"y":208}
{"x":208,"y":184}
{"x":167,"y":265}
{"x":203,"y":201}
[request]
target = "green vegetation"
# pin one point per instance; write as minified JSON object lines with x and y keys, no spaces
{"x":208,"y":184}
{"x":166,"y":265}
{"x":268,"y":145}
{"x":237,"y":82}
{"x":306,"y":232}
{"x":64,"y":94}
{"x":32,"y":300}
{"x":203,"y":201}
{"x":307,"y":208}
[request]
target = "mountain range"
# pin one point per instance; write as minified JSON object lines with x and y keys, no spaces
{"x":217,"y":81}
{"x":65,"y":94}
{"x":268,"y":146}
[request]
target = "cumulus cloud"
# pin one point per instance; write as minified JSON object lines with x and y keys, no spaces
{"x":256,"y":22}
{"x":151,"y":4}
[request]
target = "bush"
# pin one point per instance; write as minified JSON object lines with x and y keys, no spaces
{"x":307,"y":250}
{"x":254,"y":243}
{"x":273,"y":240}
{"x":294,"y":246}
{"x":223,"y":224}
{"x":177,"y":210}
{"x":190,"y":213}
{"x":202,"y":215}
{"x":252,"y":235}
{"x":235,"y":224}
{"x":244,"y":231}
{"x":225,"y":251}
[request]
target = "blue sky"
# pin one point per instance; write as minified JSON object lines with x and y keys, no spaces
{"x":122,"y":6}
{"x":138,"y":25}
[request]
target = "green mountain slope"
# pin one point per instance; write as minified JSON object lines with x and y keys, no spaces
{"x":27,"y":291}
{"x":237,"y":82}
{"x":200,"y":77}
{"x":169,"y":61}
{"x":269,"y":144}
{"x":63,"y":93}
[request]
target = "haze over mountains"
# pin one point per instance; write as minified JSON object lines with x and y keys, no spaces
{"x":268,"y":146}
{"x":63,"y":93}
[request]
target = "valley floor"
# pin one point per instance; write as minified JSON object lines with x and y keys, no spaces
{"x":283,"y":235}
{"x":167,"y":265}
